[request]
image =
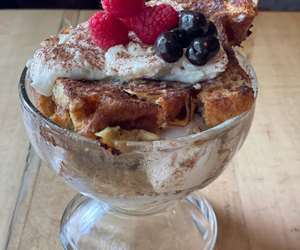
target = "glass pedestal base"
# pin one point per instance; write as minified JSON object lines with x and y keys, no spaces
{"x":93,"y":225}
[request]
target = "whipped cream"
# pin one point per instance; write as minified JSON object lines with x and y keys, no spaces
{"x":137,"y":61}
{"x":70,"y":55}
{"x":74,"y":55}
{"x":133,"y":61}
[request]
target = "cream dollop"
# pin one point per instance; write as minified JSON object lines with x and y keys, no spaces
{"x":137,"y":61}
{"x":71,"y":55}
{"x":74,"y":55}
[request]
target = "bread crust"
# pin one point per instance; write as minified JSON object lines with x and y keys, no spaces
{"x":228,"y":95}
{"x":95,"y":105}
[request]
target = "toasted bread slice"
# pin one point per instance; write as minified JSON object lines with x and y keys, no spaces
{"x":226,"y":96}
{"x":95,"y":105}
{"x":233,"y":18}
{"x":176,"y":101}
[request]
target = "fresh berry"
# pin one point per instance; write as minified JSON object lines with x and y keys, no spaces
{"x":152,"y":21}
{"x":168,"y":47}
{"x":202,"y":50}
{"x":194,"y":23}
{"x":107,"y":31}
{"x":211,"y":30}
{"x":181,"y":37}
{"x":123,"y":8}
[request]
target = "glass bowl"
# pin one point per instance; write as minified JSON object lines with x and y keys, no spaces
{"x":140,"y":198}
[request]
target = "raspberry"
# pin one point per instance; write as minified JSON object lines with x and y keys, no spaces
{"x":107,"y":31}
{"x":152,"y":21}
{"x":123,"y":8}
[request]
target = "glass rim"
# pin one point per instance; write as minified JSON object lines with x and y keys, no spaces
{"x":202,"y":135}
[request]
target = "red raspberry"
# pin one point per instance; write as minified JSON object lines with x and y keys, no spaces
{"x":152,"y":21}
{"x":107,"y":31}
{"x":123,"y":8}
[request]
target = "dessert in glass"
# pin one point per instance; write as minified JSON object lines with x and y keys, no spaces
{"x":136,"y":109}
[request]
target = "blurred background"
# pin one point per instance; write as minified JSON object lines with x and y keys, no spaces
{"x":291,"y":5}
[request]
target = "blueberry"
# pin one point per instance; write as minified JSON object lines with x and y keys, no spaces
{"x":202,"y":50}
{"x":168,"y":47}
{"x":211,"y":30}
{"x":194,"y":23}
{"x":182,"y":37}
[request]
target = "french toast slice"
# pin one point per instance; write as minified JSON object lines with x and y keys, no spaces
{"x":233,"y":18}
{"x":95,"y":105}
{"x":226,"y":96}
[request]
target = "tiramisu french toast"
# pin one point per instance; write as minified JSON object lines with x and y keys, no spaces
{"x":132,"y":73}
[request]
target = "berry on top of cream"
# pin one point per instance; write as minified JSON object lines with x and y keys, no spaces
{"x":95,"y":51}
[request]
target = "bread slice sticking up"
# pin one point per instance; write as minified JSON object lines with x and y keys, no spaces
{"x":228,"y":95}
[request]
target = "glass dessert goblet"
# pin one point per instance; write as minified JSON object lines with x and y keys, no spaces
{"x":139,"y":197}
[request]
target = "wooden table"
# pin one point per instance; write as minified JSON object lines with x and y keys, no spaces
{"x":257,"y":200}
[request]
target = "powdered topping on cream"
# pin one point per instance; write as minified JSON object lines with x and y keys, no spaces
{"x":133,"y":61}
{"x":74,"y":55}
{"x":137,"y":61}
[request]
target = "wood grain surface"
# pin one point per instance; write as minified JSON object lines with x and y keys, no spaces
{"x":20,"y":33}
{"x":257,"y":199}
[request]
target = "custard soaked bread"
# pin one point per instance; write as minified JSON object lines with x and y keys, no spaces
{"x":229,"y":95}
{"x":93,"y":106}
